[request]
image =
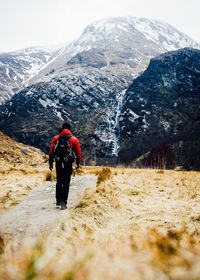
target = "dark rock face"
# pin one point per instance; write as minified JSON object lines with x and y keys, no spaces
{"x":162,"y":106}
{"x":86,"y":98}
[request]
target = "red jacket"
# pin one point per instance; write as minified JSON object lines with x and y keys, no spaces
{"x":74,"y":144}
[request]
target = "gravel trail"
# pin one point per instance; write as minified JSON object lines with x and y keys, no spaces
{"x":38,"y":213}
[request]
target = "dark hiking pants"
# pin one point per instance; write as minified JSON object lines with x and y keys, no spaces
{"x":63,"y":176}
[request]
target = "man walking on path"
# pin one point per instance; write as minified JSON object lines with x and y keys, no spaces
{"x":65,"y":148}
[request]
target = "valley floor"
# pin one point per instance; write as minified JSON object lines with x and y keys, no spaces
{"x":135,"y":224}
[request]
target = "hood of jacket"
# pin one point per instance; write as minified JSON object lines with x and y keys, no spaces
{"x":65,"y":132}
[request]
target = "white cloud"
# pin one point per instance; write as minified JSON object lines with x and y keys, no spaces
{"x":45,"y":22}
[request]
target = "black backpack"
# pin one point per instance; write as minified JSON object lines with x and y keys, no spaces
{"x":62,"y":152}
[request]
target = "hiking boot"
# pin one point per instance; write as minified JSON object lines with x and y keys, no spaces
{"x":63,"y":206}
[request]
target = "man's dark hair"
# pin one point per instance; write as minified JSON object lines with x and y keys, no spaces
{"x":67,"y":126}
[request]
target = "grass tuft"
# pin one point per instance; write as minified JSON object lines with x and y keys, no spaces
{"x":2,"y":245}
{"x":104,"y":175}
{"x":195,"y":218}
{"x":160,"y":171}
{"x":77,"y":267}
{"x":49,"y":176}
{"x":79,"y":171}
{"x":31,"y":271}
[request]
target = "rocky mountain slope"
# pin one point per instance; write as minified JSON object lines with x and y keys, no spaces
{"x":17,"y":68}
{"x":87,"y":98}
{"x":162,"y":111}
{"x":161,"y":107}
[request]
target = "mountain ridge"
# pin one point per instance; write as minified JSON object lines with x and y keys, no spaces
{"x":126,"y":33}
{"x":127,"y":44}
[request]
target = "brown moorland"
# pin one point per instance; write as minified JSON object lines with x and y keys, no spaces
{"x":136,"y":224}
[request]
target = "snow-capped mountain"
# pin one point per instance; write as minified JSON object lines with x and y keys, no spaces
{"x":86,"y":83}
{"x":105,"y":32}
{"x":127,"y":42}
{"x":122,"y":45}
{"x":131,"y":32}
{"x":112,"y":122}
{"x":17,"y":68}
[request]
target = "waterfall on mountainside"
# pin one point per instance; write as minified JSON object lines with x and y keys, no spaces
{"x":112,"y":133}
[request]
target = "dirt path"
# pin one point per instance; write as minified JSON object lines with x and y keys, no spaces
{"x":38,"y":214}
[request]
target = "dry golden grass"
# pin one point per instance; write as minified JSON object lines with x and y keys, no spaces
{"x":136,"y":224}
{"x":21,"y":169}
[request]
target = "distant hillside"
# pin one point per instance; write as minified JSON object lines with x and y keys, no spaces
{"x":21,"y":169}
{"x":14,"y":153}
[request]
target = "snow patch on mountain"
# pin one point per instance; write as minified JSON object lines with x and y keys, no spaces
{"x":162,"y":32}
{"x":112,"y":28}
{"x":19,"y":67}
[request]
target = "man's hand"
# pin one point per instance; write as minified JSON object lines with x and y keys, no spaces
{"x":50,"y":162}
{"x":51,"y":166}
{"x":77,"y":163}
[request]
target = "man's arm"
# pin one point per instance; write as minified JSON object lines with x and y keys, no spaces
{"x":53,"y":143}
{"x":77,"y":150}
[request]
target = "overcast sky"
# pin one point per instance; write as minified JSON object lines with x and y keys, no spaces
{"x":26,"y":23}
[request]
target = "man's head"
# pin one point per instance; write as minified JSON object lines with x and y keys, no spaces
{"x":67,"y":126}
